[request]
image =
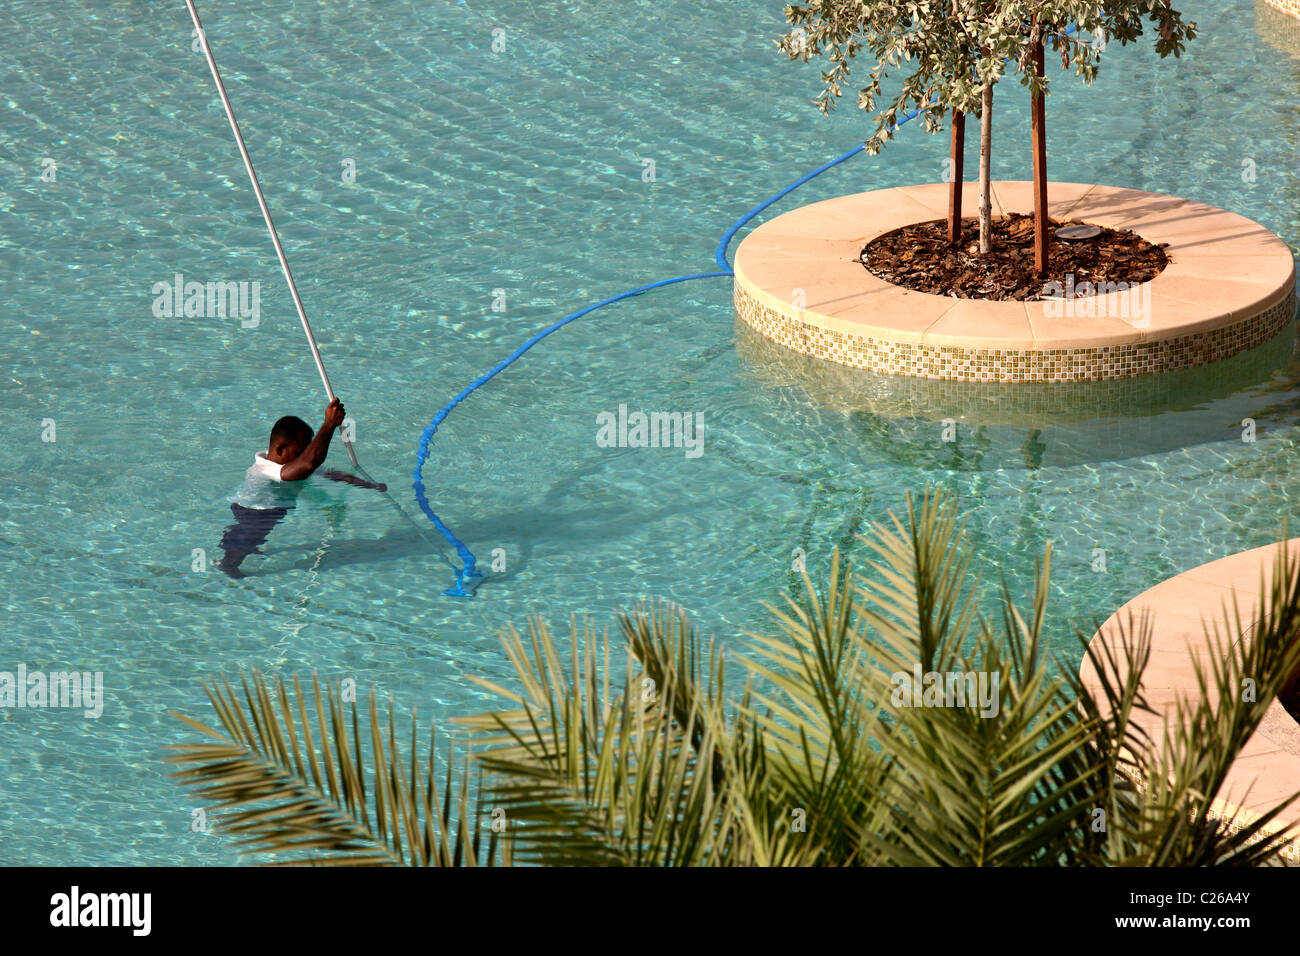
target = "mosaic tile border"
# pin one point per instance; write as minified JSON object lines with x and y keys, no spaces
{"x":1100,"y":363}
{"x":839,"y":387}
{"x":1286,"y":6}
{"x":1278,"y":23}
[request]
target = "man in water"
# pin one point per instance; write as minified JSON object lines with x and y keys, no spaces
{"x":272,"y":484}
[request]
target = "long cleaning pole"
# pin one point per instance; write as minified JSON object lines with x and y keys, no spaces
{"x":266,"y":215}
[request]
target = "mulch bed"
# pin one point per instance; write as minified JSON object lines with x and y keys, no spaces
{"x":919,"y":257}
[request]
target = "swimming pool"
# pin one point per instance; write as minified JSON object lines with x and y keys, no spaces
{"x":524,"y":171}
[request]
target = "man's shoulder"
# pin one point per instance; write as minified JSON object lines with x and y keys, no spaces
{"x":263,"y":467}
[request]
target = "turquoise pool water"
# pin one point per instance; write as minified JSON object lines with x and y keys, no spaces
{"x":521,"y":171}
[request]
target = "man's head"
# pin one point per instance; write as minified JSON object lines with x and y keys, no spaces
{"x":288,"y":439}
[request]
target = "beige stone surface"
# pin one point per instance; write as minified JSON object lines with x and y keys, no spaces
{"x":1182,"y":610}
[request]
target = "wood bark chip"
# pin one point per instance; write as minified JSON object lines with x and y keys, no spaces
{"x":920,"y":257}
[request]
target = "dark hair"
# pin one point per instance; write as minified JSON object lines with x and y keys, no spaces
{"x":291,"y":428}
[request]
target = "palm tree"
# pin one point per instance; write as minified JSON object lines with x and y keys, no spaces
{"x":825,"y":756}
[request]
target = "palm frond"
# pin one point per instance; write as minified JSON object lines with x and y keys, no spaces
{"x":320,"y":797}
{"x":816,"y":702}
{"x":635,"y":756}
{"x":1169,"y":818}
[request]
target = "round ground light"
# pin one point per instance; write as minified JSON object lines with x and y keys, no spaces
{"x":1229,"y":286}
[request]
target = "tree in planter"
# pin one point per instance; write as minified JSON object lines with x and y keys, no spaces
{"x":820,"y":761}
{"x":957,"y":50}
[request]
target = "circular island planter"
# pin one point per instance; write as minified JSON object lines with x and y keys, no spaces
{"x":1229,"y":286}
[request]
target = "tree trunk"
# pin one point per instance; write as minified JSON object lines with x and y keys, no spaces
{"x":957,"y":168}
{"x":1038,"y":124}
{"x":986,"y":189}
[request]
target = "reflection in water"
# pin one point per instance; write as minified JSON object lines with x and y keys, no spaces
{"x":298,"y":616}
{"x":926,"y":423}
{"x":1279,"y":30}
{"x":1282,"y":32}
